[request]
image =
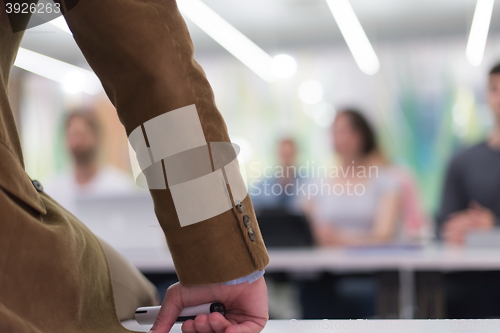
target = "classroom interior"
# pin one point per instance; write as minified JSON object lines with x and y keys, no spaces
{"x":368,"y":135}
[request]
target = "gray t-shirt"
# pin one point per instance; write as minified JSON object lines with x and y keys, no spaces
{"x":356,"y":212}
{"x":473,"y":175}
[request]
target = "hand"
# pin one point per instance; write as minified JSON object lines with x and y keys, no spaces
{"x":483,"y":218}
{"x":460,"y":223}
{"x":327,"y":236}
{"x":246,"y":308}
{"x":457,"y":226}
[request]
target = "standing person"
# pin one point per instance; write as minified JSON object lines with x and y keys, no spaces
{"x":87,"y":177}
{"x":55,"y":274}
{"x":471,"y":202}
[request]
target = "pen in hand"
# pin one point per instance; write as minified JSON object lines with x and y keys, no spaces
{"x":147,"y":315}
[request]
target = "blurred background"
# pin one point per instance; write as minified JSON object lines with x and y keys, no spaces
{"x":414,"y":71}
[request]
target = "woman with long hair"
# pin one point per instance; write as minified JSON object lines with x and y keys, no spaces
{"x":359,"y":203}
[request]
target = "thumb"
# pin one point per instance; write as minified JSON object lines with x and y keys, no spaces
{"x":169,"y":311}
{"x":475,"y":205}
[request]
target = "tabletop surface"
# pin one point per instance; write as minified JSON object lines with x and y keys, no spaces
{"x":363,"y":326}
{"x":415,"y":258}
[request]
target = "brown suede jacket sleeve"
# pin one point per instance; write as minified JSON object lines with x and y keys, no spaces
{"x":143,"y":55}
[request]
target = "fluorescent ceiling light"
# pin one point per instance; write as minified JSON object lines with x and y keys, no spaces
{"x":479,"y":31}
{"x":228,"y":37}
{"x":72,"y":78}
{"x":355,"y":36}
{"x":60,"y":23}
{"x":267,"y":67}
{"x":311,"y":92}
{"x":284,"y":66}
{"x":324,"y":114}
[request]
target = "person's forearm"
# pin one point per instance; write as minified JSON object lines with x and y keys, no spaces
{"x":143,"y":55}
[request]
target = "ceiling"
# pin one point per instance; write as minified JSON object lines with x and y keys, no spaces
{"x":281,"y":25}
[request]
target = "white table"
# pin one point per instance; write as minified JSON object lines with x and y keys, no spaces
{"x":432,"y":258}
{"x":364,"y":326}
{"x":405,"y":261}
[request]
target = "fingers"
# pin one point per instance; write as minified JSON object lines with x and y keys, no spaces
{"x":217,"y":323}
{"x":482,"y":216}
{"x":475,"y":205}
{"x":245,"y":327}
{"x":454,"y":232}
{"x":188,"y":327}
{"x":169,"y":311}
{"x":460,"y":216}
{"x":202,"y":325}
{"x":459,"y":222}
{"x":213,"y":323}
{"x":454,"y":238}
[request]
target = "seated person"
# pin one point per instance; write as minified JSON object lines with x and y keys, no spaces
{"x":471,"y":202}
{"x":275,"y":199}
{"x":87,"y":176}
{"x":359,"y":204}
{"x":278,"y":192}
{"x":471,"y":195}
{"x":416,"y":227}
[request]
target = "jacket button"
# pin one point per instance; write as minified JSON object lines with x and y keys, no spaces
{"x":239,"y":207}
{"x":246,"y":221}
{"x":38,"y":186}
{"x":251,"y":234}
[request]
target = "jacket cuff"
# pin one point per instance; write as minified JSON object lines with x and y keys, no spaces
{"x":249,"y":278}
